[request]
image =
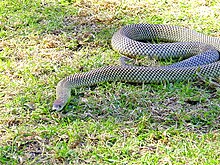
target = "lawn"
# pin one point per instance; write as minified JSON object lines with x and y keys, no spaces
{"x":42,"y":41}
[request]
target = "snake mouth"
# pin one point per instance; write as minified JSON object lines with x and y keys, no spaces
{"x":57,"y":108}
{"x":58,"y":105}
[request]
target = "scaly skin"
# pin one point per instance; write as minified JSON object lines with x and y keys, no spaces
{"x":124,"y":41}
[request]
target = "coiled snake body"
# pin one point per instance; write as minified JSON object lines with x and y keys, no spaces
{"x":202,"y":50}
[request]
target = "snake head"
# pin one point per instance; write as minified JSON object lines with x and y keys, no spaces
{"x":58,"y":105}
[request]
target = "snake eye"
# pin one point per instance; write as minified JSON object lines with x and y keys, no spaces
{"x":60,"y":107}
{"x":57,"y":107}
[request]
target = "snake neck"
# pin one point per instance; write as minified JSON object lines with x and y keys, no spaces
{"x":63,"y":89}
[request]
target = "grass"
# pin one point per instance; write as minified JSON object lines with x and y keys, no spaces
{"x":111,"y":123}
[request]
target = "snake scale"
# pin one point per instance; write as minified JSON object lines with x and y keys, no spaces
{"x":201,"y":54}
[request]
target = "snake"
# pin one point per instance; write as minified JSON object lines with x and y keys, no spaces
{"x":200,"y":54}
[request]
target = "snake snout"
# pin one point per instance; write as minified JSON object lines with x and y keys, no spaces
{"x":58,"y":105}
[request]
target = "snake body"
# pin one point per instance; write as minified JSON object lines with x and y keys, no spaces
{"x":202,"y":50}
